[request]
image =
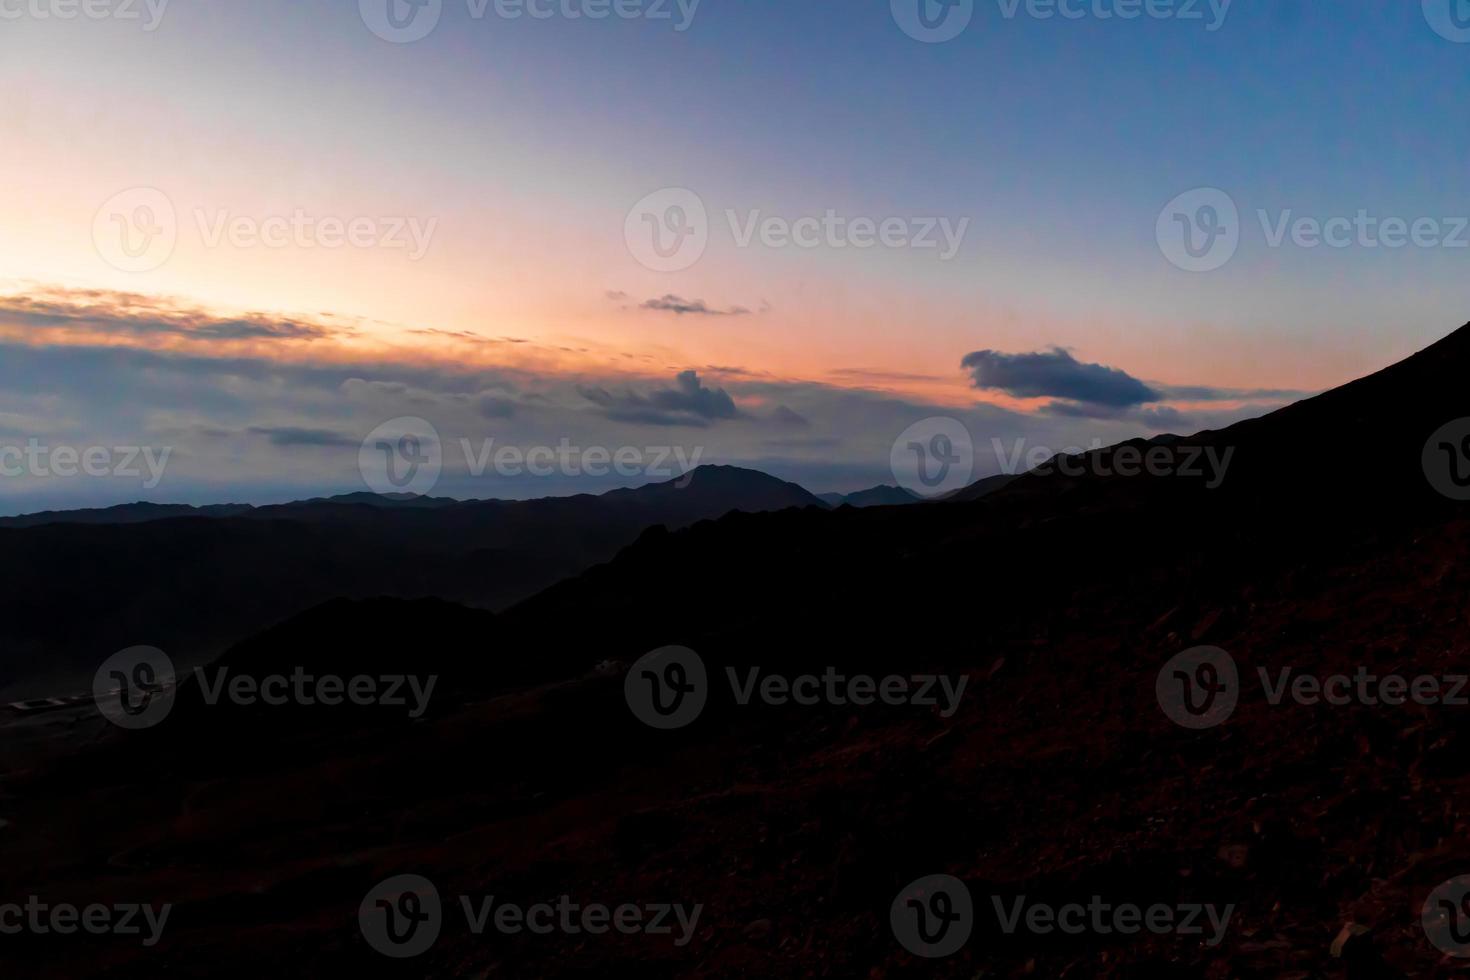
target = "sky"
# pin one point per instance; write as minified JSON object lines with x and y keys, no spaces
{"x":775,"y":233}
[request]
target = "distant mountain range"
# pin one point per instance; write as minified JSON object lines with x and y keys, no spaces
{"x":872,"y":497}
{"x":79,"y":585}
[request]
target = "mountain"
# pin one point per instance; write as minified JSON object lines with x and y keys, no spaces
{"x":881,"y":496}
{"x":1315,"y":545}
{"x":73,"y":592}
{"x":136,"y":513}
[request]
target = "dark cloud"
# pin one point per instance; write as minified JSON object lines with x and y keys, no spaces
{"x":688,"y":403}
{"x":678,"y":305}
{"x":786,"y":416}
{"x":493,"y":407}
{"x":125,"y":314}
{"x":288,"y":436}
{"x":1057,"y":374}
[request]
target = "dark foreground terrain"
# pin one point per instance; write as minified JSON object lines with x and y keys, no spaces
{"x":1059,"y":777}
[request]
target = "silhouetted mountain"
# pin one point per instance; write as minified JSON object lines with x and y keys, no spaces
{"x":883,"y":496}
{"x":982,"y":487}
{"x":124,"y":514}
{"x":74,"y":592}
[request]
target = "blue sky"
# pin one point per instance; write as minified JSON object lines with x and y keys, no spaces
{"x":524,"y":143}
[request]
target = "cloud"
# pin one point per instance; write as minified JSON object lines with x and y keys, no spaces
{"x":1198,"y":393}
{"x":688,"y":403}
{"x":93,"y":312}
{"x":1057,"y":374}
{"x":670,"y":303}
{"x":289,"y":436}
{"x":494,"y":407}
{"x":786,"y":416}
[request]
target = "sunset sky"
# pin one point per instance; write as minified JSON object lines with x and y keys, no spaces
{"x":505,"y":155}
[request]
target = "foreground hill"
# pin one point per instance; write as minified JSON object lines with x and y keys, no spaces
{"x":1320,"y":547}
